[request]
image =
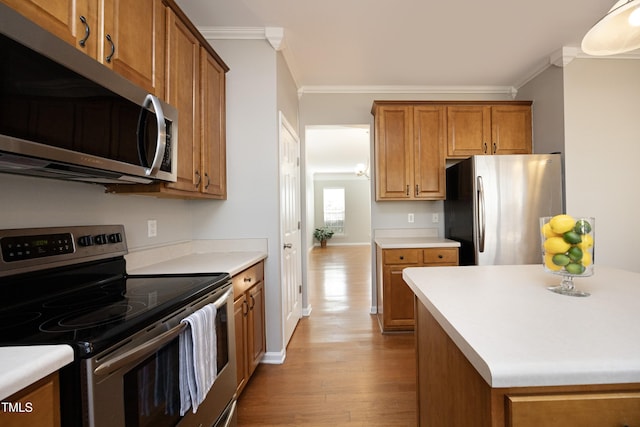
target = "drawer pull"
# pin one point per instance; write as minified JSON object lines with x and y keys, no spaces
{"x":87,"y":32}
{"x":402,"y":257}
{"x":247,"y":279}
{"x":440,"y":256}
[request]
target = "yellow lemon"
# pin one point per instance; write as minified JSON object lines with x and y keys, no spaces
{"x":587,"y":242}
{"x":547,"y":231}
{"x":562,"y":223}
{"x":556,"y":245}
{"x":586,"y":259}
{"x":548,"y":262}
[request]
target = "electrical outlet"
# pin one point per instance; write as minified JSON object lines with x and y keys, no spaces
{"x":152,"y":228}
{"x":410,"y":218}
{"x":435,"y":218}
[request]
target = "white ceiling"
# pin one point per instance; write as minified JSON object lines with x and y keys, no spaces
{"x":495,"y":43}
{"x":401,"y":45}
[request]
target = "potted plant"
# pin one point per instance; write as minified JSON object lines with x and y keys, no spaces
{"x":323,"y":234}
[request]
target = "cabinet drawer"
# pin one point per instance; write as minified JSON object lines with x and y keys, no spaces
{"x":247,"y":278}
{"x":400,"y":256}
{"x":574,"y":409}
{"x":447,"y":256}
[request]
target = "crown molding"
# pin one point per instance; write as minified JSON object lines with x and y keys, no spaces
{"x":500,"y":90}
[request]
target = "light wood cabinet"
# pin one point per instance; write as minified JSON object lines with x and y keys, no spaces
{"x":395,"y":298}
{"x":452,"y":393}
{"x":74,"y":21}
{"x":479,"y":129}
{"x":248,"y":288}
{"x":195,"y":85}
{"x":409,"y":151}
{"x":127,"y":36}
{"x":35,"y":405}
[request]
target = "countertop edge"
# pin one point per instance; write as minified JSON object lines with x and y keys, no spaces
{"x":415,"y":242}
{"x":43,"y":360}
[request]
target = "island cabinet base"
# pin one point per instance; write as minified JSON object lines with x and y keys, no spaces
{"x":451,"y":393}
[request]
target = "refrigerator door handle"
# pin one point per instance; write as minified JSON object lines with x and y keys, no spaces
{"x":481,"y":213}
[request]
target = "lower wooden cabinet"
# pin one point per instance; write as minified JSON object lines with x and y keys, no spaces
{"x":248,"y":307}
{"x":35,"y":405}
{"x":452,"y":393}
{"x":395,"y":298}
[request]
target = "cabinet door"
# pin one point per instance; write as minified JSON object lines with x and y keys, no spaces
{"x":136,"y":49}
{"x":393,"y":151}
{"x":398,"y":311}
{"x":257,"y":345}
{"x":468,"y":130}
{"x":63,"y":18}
{"x":240,"y":311}
{"x":214,"y":157}
{"x":183,"y":89}
{"x":44,"y":399}
{"x":511,"y":129}
{"x":429,"y":158}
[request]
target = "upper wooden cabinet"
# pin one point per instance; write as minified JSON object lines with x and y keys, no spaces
{"x":409,"y":151}
{"x":74,"y":21}
{"x":133,"y":41}
{"x":503,"y":128}
{"x":127,"y":36}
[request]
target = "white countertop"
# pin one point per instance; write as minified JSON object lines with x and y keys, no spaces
{"x":211,"y":262}
{"x":517,"y":333}
{"x":24,"y":365}
{"x":415,"y":242}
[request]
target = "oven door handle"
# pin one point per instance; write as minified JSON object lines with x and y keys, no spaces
{"x":150,"y":346}
{"x":139,"y":352}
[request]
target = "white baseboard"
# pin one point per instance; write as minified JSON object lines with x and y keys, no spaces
{"x":306,"y":311}
{"x":274,"y":358}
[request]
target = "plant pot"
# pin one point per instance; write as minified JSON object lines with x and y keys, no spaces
{"x":323,"y":243}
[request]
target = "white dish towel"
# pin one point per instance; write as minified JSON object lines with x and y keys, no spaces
{"x":198,"y":368}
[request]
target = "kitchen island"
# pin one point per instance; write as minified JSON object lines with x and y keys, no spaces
{"x":496,"y":348}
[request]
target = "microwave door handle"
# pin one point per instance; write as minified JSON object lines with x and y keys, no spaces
{"x":139,"y":352}
{"x":151,"y":100}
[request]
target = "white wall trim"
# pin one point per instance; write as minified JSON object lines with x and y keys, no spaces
{"x":409,"y":89}
{"x":274,"y":358}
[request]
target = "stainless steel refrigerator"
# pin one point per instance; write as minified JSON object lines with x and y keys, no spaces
{"x":494,"y":203}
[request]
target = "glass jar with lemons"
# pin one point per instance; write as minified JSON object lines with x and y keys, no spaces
{"x":567,"y":249}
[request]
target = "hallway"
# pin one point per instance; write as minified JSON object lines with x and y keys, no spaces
{"x":340,"y":370}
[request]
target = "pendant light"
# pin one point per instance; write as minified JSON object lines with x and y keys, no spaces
{"x":617,"y":32}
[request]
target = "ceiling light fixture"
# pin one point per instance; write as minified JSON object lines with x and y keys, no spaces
{"x":617,"y":32}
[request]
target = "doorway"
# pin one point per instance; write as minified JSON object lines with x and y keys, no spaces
{"x":337,"y":161}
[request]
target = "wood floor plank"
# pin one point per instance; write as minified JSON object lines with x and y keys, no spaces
{"x":340,"y":370}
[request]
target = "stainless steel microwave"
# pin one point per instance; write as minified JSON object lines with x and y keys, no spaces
{"x":64,"y":115}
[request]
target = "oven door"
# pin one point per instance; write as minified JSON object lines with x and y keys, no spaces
{"x":136,"y":383}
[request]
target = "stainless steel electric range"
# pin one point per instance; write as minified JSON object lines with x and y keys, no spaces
{"x":69,"y":285}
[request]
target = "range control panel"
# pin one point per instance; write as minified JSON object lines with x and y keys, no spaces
{"x":39,"y":248}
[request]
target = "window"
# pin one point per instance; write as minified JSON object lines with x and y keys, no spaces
{"x":334,"y":209}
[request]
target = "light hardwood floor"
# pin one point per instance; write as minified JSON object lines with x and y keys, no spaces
{"x":340,"y":370}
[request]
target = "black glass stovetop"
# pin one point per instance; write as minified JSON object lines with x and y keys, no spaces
{"x":92,"y":306}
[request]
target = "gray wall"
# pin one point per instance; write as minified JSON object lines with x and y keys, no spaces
{"x":357,"y":209}
{"x":602,"y":144}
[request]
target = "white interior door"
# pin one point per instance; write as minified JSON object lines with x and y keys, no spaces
{"x":290,"y":227}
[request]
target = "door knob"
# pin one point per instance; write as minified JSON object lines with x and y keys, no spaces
{"x":287,"y":246}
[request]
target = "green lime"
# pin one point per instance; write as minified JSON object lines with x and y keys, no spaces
{"x":582,"y":227}
{"x":572,"y":237}
{"x":574,"y":268}
{"x":575,"y":253}
{"x":560,"y":259}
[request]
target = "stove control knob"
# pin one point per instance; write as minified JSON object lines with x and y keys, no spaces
{"x":100,"y":239}
{"x":85,"y":241}
{"x":115,"y":238}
